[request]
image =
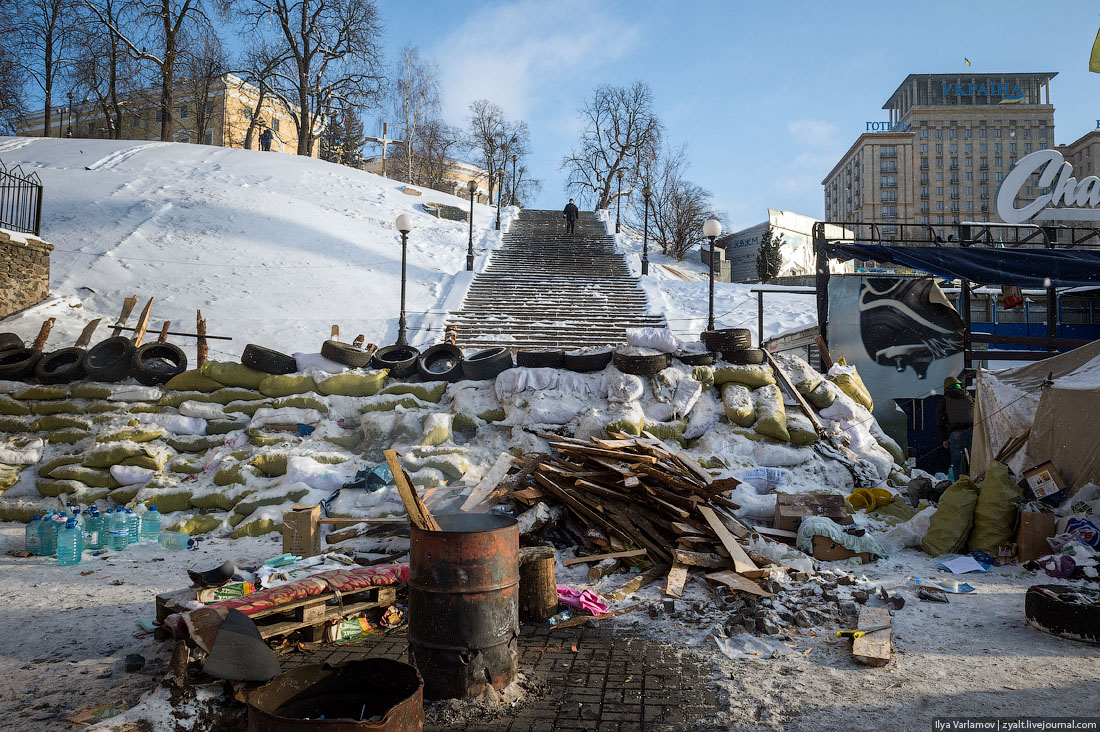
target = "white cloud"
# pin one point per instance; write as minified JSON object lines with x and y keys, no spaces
{"x":814,"y":132}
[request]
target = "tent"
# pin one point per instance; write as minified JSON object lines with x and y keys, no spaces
{"x":1063,"y":415}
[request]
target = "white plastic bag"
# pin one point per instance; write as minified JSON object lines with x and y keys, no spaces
{"x":659,"y":339}
{"x":911,"y":532}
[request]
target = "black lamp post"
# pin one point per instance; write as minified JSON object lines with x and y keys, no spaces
{"x":404,"y":225}
{"x":712,"y":229}
{"x":514,"y":159}
{"x":500,"y":194}
{"x":645,"y":231}
{"x":618,"y":198}
{"x":472,"y":188}
{"x":69,"y":131}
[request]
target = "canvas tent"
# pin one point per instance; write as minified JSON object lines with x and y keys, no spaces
{"x":1064,"y":416}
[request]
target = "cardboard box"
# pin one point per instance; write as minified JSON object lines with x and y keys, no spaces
{"x":790,"y":509}
{"x":1031,"y":539}
{"x":828,"y":550}
{"x":302,"y":530}
{"x":1044,"y":480}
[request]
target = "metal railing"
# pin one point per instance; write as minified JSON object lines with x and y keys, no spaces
{"x":20,"y":200}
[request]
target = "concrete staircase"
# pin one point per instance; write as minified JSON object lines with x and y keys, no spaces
{"x":548,"y":289}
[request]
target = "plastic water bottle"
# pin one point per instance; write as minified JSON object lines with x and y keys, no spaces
{"x":47,"y":535}
{"x":93,"y":530}
{"x":31,"y":542}
{"x":81,"y":519}
{"x":70,"y":544}
{"x":133,"y":526}
{"x":118,"y":531}
{"x":560,"y":617}
{"x":175,"y":540}
{"x":150,"y":524}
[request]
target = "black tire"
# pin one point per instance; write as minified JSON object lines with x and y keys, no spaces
{"x":400,"y":360}
{"x":641,"y":365}
{"x":62,"y":366}
{"x":585,"y":363}
{"x":19,"y":363}
{"x":485,"y":365}
{"x":442,"y":362}
{"x":10,"y":342}
{"x":744,"y":357}
{"x":696,"y":359}
{"x":109,"y":360}
{"x":1062,"y":617}
{"x":267,"y":360}
{"x":548,"y":359}
{"x":346,"y":354}
{"x":156,"y":363}
{"x":726,"y":339}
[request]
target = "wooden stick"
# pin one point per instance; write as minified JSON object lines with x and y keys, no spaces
{"x":600,"y":557}
{"x":826,"y":357}
{"x":582,"y":619}
{"x":334,"y":334}
{"x":128,"y":306}
{"x":186,"y":335}
{"x":699,"y":559}
{"x":202,"y":349}
{"x":639,"y":582}
{"x":802,"y":403}
{"x":43,"y":335}
{"x":143,"y":323}
{"x":875,"y":648}
{"x":741,"y":561}
{"x":359,"y":340}
{"x":677,"y":578}
{"x":86,"y":334}
{"x":419,"y":515}
{"x":737,"y":582}
{"x":163,"y":337}
{"x":602,"y":569}
{"x":491,"y":480}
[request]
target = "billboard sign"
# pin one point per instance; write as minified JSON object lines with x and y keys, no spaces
{"x":1067,"y":197}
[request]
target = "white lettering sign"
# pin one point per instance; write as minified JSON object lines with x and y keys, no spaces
{"x":1066,"y":191}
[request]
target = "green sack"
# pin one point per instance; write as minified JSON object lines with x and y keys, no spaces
{"x":235,"y":394}
{"x":347,"y":439}
{"x":995,"y":512}
{"x":17,"y":424}
{"x":431,"y":391}
{"x":233,"y":374}
{"x":751,"y":376}
{"x":302,"y":401}
{"x":704,"y":375}
{"x":196,"y":524}
{"x":737,"y":404}
{"x":820,"y":396}
{"x":69,"y":436}
{"x":185,"y":464}
{"x":800,"y":428}
{"x":153,"y":457}
{"x":950,"y":525}
{"x":13,"y":407}
{"x":166,"y":494}
{"x":626,"y":418}
{"x":224,"y":426}
{"x":103,"y":407}
{"x":231,"y":471}
{"x":851,"y":384}
{"x":193,"y":380}
{"x":96,"y":478}
{"x":49,"y":466}
{"x":287,"y":385}
{"x":63,"y":421}
{"x":673,"y":430}
{"x":176,"y":398}
{"x":437,"y":429}
{"x":91,"y":390}
{"x":771,"y":415}
{"x":258,"y":527}
{"x":59,"y":406}
{"x":270,"y":497}
{"x":9,"y":476}
{"x":193,"y":443}
{"x":143,"y":433}
{"x":427,"y":478}
{"x":225,"y":498}
{"x":52,"y":488}
{"x":271,"y":464}
{"x":453,"y":466}
{"x":389,"y":402}
{"x":245,"y":407}
{"x":267,"y":438}
{"x":43,"y":392}
{"x":354,"y":385}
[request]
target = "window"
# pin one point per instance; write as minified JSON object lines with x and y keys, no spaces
{"x":275,"y":124}
{"x":924,"y":163}
{"x":954,"y":147}
{"x":970,"y":162}
{"x":997,"y":161}
{"x":996,"y":147}
{"x":889,"y":180}
{"x":939,"y":190}
{"x":939,"y":205}
{"x":924,"y":133}
{"x":985,"y":191}
{"x":159,"y":116}
{"x":1012,"y":161}
{"x":954,"y":132}
{"x":183,"y":111}
{"x":939,"y":176}
{"x":924,"y":192}
{"x":924,"y":147}
{"x":954,"y":191}
{"x":1027,"y":190}
{"x":1042,"y":146}
{"x":1012,"y":147}
{"x":1027,"y":132}
{"x":939,"y":162}
{"x":981,"y":131}
{"x":998,"y":176}
{"x":1042,"y":135}
{"x":210,"y":108}
{"x":209,"y":139}
{"x":969,"y":176}
{"x":996,"y":131}
{"x":969,"y":148}
{"x":970,"y":190}
{"x":939,"y":220}
{"x":939,"y":133}
{"x":966,"y":133}
{"x":924,"y":219}
{"x":939,"y":147}
{"x":969,"y":205}
{"x":954,"y":163}
{"x":1027,"y":147}
{"x":924,"y":178}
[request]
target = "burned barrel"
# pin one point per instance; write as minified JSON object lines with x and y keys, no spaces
{"x":464,"y":604}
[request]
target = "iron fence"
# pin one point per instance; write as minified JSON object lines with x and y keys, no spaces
{"x":20,"y":200}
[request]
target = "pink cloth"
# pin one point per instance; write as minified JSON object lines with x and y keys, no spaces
{"x":581,"y":600}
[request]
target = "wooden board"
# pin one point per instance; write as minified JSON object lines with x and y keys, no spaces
{"x":639,"y":582}
{"x":699,"y":559}
{"x":677,"y":578}
{"x":600,"y":557}
{"x":873,"y":649}
{"x":419,"y":515}
{"x":128,"y":306}
{"x":737,"y":582}
{"x":741,"y":561}
{"x":496,"y":474}
{"x":143,"y":323}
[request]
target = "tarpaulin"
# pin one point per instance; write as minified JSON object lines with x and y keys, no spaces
{"x":1023,"y":267}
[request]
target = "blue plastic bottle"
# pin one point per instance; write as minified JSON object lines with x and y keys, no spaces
{"x":118,"y":532}
{"x":150,"y":524}
{"x":70,"y":544}
{"x":31,"y":542}
{"x":93,"y":530}
{"x":175,"y":540}
{"x":47,"y":535}
{"x":133,"y":526}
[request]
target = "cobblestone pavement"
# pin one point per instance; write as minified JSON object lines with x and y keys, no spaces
{"x":613,"y":682}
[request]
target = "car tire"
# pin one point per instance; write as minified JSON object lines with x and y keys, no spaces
{"x":156,"y":363}
{"x":109,"y":360}
{"x":19,"y":363}
{"x":639,"y":364}
{"x":744,"y":357}
{"x":346,"y":354}
{"x":62,"y":366}
{"x":586,"y":362}
{"x":696,"y":359}
{"x":727,"y":339}
{"x":400,"y":360}
{"x":10,"y":342}
{"x":442,"y":362}
{"x":1074,"y":620}
{"x":487,"y":364}
{"x":268,"y":360}
{"x":548,"y":359}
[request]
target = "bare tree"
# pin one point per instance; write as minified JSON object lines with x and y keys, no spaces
{"x":40,"y":36}
{"x":102,"y":70}
{"x":260,"y":61}
{"x":415,"y":102}
{"x":621,"y":132}
{"x":527,"y":187}
{"x":11,"y":75}
{"x":202,"y":69}
{"x":677,"y":207}
{"x":332,"y":53}
{"x":435,"y":145}
{"x":487,"y":128}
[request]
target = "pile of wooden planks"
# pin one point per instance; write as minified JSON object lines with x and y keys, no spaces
{"x":637,"y":492}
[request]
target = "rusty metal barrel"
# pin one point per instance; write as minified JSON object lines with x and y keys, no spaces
{"x":464,"y":604}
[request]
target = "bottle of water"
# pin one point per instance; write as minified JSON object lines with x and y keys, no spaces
{"x":560,"y":617}
{"x":31,"y":542}
{"x":93,"y":530}
{"x":70,"y":544}
{"x":81,"y":519}
{"x":150,"y":524}
{"x":175,"y":540}
{"x":47,"y":535}
{"x":133,"y":526}
{"x":118,"y":531}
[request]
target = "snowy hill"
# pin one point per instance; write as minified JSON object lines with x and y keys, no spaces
{"x":272,"y":248}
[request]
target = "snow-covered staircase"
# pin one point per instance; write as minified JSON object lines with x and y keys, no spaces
{"x":545,"y":288}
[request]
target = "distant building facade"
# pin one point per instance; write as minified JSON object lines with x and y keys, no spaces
{"x":226,"y":112}
{"x":1083,"y":154}
{"x":743,"y":247}
{"x":455,"y":180}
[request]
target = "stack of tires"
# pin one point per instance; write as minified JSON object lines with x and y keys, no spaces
{"x":734,"y":344}
{"x":111,"y":360}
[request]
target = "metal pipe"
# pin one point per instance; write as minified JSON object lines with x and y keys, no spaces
{"x":401,"y":337}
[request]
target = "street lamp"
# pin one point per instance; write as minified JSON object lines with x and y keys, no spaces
{"x":712,"y":229}
{"x":514,"y":159}
{"x":404,"y":224}
{"x":618,"y":198}
{"x":500,"y":194}
{"x":471,"y":187}
{"x":69,"y":132}
{"x":645,"y":230}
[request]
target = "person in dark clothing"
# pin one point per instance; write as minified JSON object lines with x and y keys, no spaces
{"x":955,"y":421}
{"x":265,"y":138}
{"x":571,"y":214}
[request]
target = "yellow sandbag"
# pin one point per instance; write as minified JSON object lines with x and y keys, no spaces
{"x":58,"y":406}
{"x":229,"y":394}
{"x":185,"y":464}
{"x":771,"y":415}
{"x":437,"y":429}
{"x":231,"y":471}
{"x":704,"y":375}
{"x":995,"y":511}
{"x":196,"y":524}
{"x":91,"y":390}
{"x":13,"y":407}
{"x":166,"y":494}
{"x":17,"y":424}
{"x":626,"y":418}
{"x":673,"y":430}
{"x":233,"y":374}
{"x":355,"y":385}
{"x":800,"y":428}
{"x":302,"y":401}
{"x":389,"y":402}
{"x":287,"y":385}
{"x":96,"y":478}
{"x":69,"y":436}
{"x":861,"y":499}
{"x":225,"y":498}
{"x":271,"y":464}
{"x":245,"y":407}
{"x":152,"y":457}
{"x":192,"y":380}
{"x":453,"y":466}
{"x":431,"y":391}
{"x":847,"y":378}
{"x":62,"y":421}
{"x":52,"y":488}
{"x":141,"y":433}
{"x":49,"y":466}
{"x":753,"y":377}
{"x":259,"y":527}
{"x":224,"y":426}
{"x":737,"y":404}
{"x":950,"y":525}
{"x":193,"y":443}
{"x":42,"y":392}
{"x":103,"y":407}
{"x":270,"y":497}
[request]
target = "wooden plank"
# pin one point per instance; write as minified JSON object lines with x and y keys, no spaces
{"x":600,"y":490}
{"x":43,"y":335}
{"x":873,"y":649}
{"x":202,"y":349}
{"x":600,"y":557}
{"x":741,"y":561}
{"x":643,"y":579}
{"x":496,"y":474}
{"x":582,"y":619}
{"x":614,"y":444}
{"x":600,"y":452}
{"x":802,"y":403}
{"x":601,"y":569}
{"x":686,"y":528}
{"x":143,"y":323}
{"x":86,"y":334}
{"x":419,"y":514}
{"x":788,"y":537}
{"x":163,"y":337}
{"x":677,"y":578}
{"x":128,"y":306}
{"x":699,"y":559}
{"x":579,"y":508}
{"x":823,"y":350}
{"x":736,"y":582}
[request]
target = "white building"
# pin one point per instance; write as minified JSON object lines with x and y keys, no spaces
{"x":742,"y":247}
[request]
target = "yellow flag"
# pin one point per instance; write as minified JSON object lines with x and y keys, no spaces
{"x":1094,"y":60}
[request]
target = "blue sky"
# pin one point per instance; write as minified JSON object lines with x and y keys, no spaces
{"x":767,"y":95}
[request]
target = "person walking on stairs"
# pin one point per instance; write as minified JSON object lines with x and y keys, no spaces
{"x":955,"y":421}
{"x":571,"y":214}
